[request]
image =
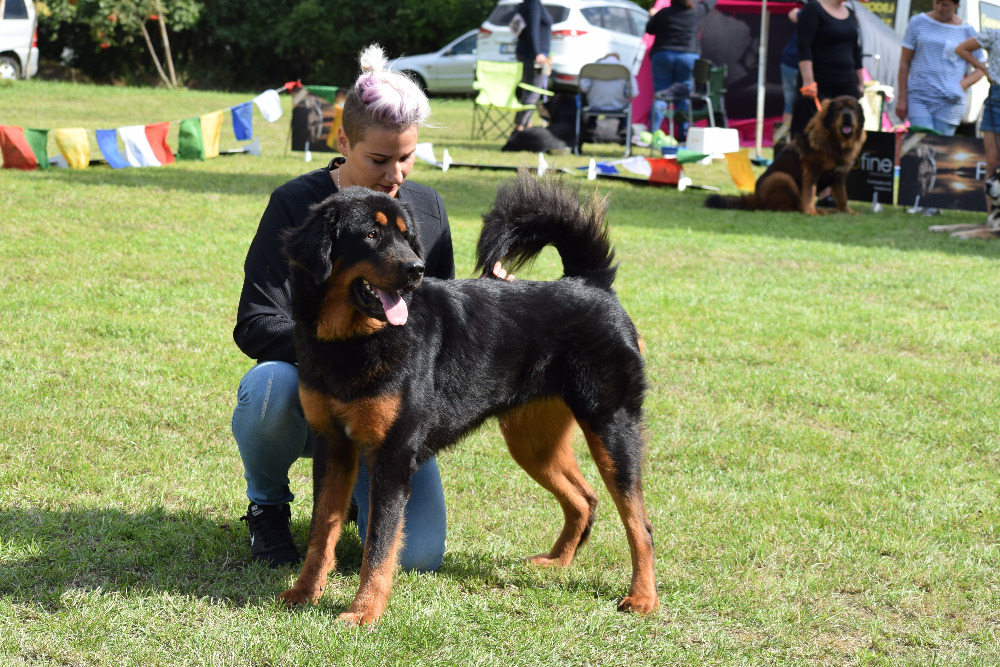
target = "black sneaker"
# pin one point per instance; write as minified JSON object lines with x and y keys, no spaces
{"x":270,"y":536}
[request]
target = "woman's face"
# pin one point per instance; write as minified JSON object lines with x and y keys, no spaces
{"x":380,"y":160}
{"x":945,"y":8}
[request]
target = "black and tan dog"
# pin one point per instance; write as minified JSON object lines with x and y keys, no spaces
{"x":396,"y":367}
{"x":819,"y":158}
{"x":989,"y":230}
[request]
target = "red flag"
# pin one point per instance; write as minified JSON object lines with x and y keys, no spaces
{"x":156,"y":134}
{"x":664,"y":170}
{"x":21,"y":148}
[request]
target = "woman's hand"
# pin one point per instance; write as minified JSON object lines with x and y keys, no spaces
{"x":501,"y":273}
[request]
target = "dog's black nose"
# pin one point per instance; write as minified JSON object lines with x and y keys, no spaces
{"x":414,"y":271}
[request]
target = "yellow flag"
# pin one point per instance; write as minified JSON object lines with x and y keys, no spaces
{"x":211,"y":125}
{"x":739,"y":169}
{"x":74,"y":146}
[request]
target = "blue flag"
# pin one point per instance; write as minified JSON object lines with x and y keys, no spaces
{"x":243,"y":121}
{"x":107,"y":141}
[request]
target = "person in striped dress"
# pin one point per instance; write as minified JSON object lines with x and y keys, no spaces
{"x":932,"y":77}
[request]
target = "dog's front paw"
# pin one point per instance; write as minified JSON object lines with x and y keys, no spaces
{"x":640,"y":603}
{"x":295,"y":597}
{"x":357,"y":618}
{"x":937,"y":228}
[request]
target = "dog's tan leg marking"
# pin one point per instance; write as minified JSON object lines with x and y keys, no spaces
{"x":642,"y":597}
{"x":376,"y":581}
{"x":539,"y":436}
{"x":330,"y":505}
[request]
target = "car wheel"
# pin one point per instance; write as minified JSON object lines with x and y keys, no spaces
{"x":9,"y":68}
{"x":417,"y":79}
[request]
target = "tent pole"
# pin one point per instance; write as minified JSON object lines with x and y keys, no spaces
{"x":765,"y":21}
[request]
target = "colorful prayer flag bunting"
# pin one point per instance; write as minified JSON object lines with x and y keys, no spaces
{"x":243,"y":121}
{"x":211,"y":126}
{"x":739,"y":169}
{"x":23,"y":148}
{"x":269,"y":104}
{"x":74,"y":146}
{"x":107,"y":141}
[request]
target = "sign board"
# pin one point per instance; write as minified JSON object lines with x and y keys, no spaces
{"x":874,"y":169}
{"x":944,"y":172}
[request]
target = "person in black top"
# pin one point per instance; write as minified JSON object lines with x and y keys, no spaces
{"x":378,"y":137}
{"x":533,"y":45}
{"x":829,"y":48}
{"x":674,"y":50}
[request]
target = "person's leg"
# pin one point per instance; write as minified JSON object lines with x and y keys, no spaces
{"x":789,"y":75}
{"x":534,"y":76}
{"x":270,"y":430}
{"x":424,"y":521}
{"x":270,"y":433}
{"x":683,"y":67}
{"x":661,"y":68}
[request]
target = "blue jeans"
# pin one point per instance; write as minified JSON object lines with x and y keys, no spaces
{"x":991,"y":111}
{"x":669,"y":67}
{"x":271,"y":434}
{"x":789,"y":87}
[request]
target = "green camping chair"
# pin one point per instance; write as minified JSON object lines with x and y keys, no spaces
{"x":494,"y":108}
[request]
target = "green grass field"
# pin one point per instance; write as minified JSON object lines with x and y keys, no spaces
{"x":823,"y":431}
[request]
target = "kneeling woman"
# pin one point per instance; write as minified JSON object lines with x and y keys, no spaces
{"x":378,"y":138}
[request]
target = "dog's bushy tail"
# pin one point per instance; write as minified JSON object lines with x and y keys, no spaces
{"x":742,"y":202}
{"x":530,"y":213}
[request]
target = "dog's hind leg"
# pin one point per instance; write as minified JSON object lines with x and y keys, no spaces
{"x":539,"y":436}
{"x":335,"y":466}
{"x":617,"y":449}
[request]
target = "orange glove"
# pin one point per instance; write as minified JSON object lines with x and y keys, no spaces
{"x":812,"y":90}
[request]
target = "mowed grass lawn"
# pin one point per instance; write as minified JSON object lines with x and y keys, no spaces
{"x":822,"y":419}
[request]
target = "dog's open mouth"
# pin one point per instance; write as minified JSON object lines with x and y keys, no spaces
{"x":381,"y":303}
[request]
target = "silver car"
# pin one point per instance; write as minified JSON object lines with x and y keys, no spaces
{"x":452,"y":69}
{"x":583,"y":31}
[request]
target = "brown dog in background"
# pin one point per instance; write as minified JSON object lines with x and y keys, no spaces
{"x":819,"y":158}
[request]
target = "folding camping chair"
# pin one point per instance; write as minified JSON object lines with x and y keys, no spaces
{"x":494,"y":108}
{"x":709,"y":87}
{"x":605,"y":72}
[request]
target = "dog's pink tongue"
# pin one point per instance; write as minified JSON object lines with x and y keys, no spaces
{"x":847,"y":129}
{"x":395,"y":307}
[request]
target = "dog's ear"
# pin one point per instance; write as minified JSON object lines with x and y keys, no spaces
{"x":829,"y":113}
{"x":410,"y":234}
{"x":309,"y":245}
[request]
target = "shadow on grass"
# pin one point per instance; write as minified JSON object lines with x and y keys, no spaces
{"x":46,"y":553}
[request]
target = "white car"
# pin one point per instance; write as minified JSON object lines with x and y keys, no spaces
{"x":583,"y":31}
{"x":18,"y":40}
{"x":452,"y":69}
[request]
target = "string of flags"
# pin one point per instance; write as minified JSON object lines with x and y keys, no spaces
{"x":198,"y":138}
